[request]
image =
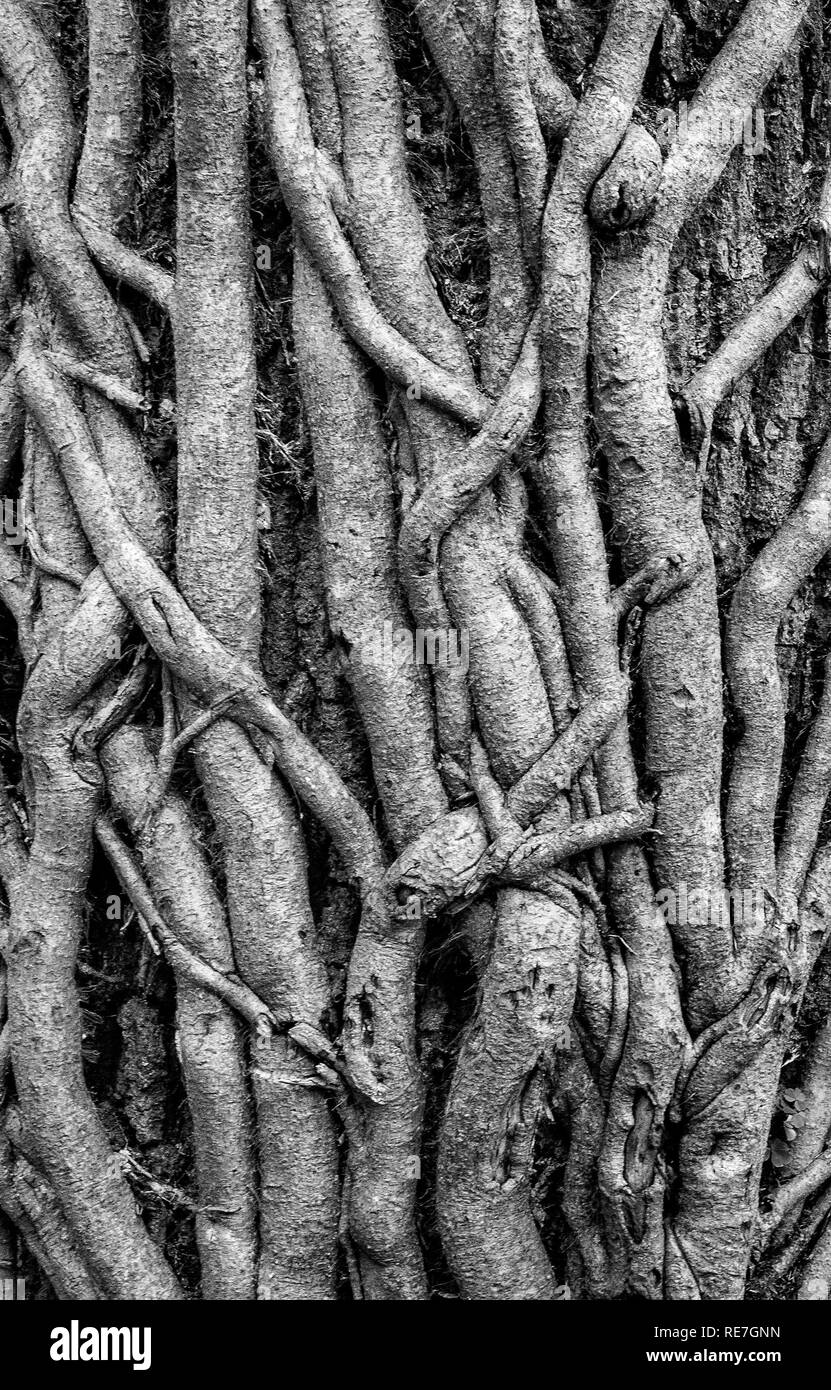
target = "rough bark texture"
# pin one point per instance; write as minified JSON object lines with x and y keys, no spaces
{"x":416,"y":719}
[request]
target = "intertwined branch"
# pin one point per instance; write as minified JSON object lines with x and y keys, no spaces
{"x":533,"y":799}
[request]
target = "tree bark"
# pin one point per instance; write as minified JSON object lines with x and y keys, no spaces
{"x":416,"y":503}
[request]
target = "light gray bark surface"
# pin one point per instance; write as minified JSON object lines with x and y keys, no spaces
{"x":416,"y":728}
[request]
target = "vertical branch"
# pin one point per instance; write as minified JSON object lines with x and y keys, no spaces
{"x":633,"y":1193}
{"x":465,"y":55}
{"x":756,"y":613}
{"x":656,"y":503}
{"x":505,"y":682}
{"x":106,"y":171}
{"x":512,"y":49}
{"x":379,"y":1011}
{"x":271,"y":922}
{"x":806,"y":803}
{"x":48,"y":918}
{"x":211,"y":1042}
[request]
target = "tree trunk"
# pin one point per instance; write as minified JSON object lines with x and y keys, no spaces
{"x":416,"y":498}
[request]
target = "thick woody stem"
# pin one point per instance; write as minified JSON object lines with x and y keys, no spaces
{"x":512,"y":50}
{"x":47,"y":922}
{"x":806,"y":803}
{"x":756,"y":613}
{"x":633,"y":1192}
{"x":304,"y":189}
{"x":216,"y":556}
{"x":211,"y":1041}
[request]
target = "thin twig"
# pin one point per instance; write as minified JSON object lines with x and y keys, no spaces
{"x":184,"y":962}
